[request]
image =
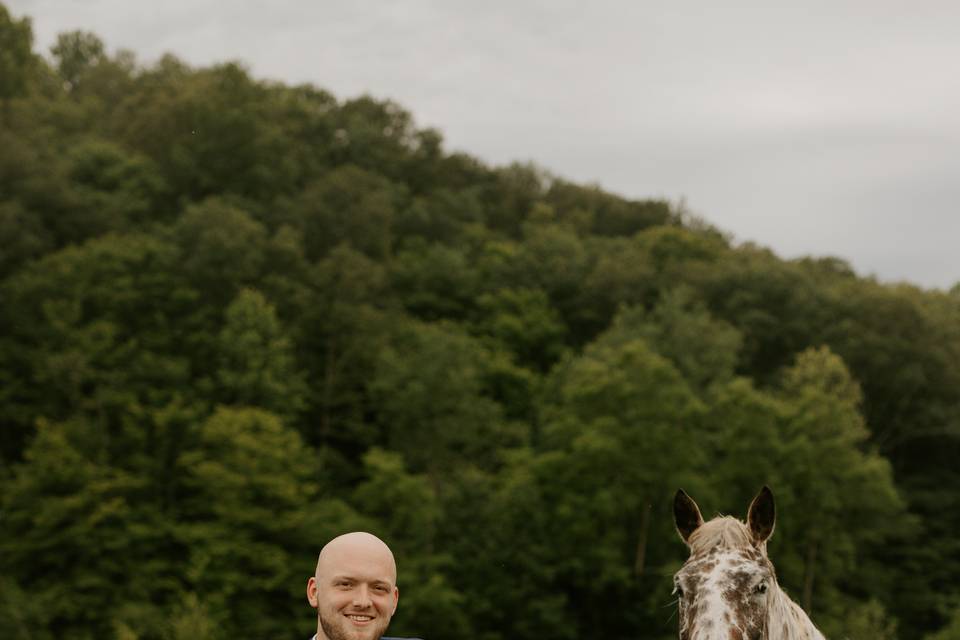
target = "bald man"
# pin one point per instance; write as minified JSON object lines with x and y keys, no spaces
{"x":354,"y":588}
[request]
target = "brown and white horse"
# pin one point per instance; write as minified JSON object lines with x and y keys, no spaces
{"x":727,"y":589}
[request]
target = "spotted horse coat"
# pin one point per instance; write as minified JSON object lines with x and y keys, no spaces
{"x":727,"y":589}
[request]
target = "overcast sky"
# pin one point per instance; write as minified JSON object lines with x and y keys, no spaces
{"x":811,"y":128}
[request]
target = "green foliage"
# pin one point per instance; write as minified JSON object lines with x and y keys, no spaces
{"x":247,"y":521}
{"x":523,"y":322}
{"x":349,"y":206}
{"x":842,"y":498}
{"x":72,"y":530}
{"x":16,"y":57}
{"x":680,"y":328}
{"x":951,"y":631}
{"x":428,"y":389}
{"x":435,"y":281}
{"x":239,"y":318}
{"x":117,"y":190}
{"x":21,"y":237}
{"x":75,"y":53}
{"x":869,"y":621}
{"x":592,"y":209}
{"x":257,"y":368}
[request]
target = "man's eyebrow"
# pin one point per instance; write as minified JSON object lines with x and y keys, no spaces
{"x":375,"y":581}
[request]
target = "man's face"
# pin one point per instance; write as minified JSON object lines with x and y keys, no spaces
{"x":354,"y":593}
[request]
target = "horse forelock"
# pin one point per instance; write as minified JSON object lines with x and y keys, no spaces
{"x":725,"y":532}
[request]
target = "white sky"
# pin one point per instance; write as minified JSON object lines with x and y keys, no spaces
{"x":813,"y":128}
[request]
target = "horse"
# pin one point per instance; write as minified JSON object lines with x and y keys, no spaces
{"x":727,"y":589}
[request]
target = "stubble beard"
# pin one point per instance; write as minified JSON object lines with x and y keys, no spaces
{"x":337,"y":630}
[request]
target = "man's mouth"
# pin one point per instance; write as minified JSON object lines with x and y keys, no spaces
{"x":359,"y":618}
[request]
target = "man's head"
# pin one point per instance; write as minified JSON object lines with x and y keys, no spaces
{"x":354,"y":588}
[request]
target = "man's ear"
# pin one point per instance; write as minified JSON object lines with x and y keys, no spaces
{"x":396,"y":599}
{"x":312,"y":593}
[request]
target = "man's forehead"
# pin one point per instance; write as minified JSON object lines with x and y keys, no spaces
{"x":370,"y":572}
{"x":359,"y":556}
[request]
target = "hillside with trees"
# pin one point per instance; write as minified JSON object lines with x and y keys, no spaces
{"x":239,"y":317}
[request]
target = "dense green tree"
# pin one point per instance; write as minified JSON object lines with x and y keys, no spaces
{"x":340,"y":331}
{"x":349,"y":206}
{"x":257,"y":367}
{"x":408,"y":512}
{"x":20,"y":614}
{"x":511,"y":195}
{"x":22,"y":237}
{"x":432,"y":406}
{"x":76,"y":52}
{"x":93,"y":330}
{"x":206,"y":132}
{"x":621,"y":274}
{"x":435,"y":281}
{"x":628,"y":424}
{"x":949,"y":632}
{"x":238,"y":318}
{"x":443,"y":215}
{"x":117,"y":190}
{"x":251,"y":516}
{"x":592,"y":209}
{"x":841,"y":498}
{"x":302,"y":118}
{"x":223,"y":249}
{"x":34,"y":180}
{"x":16,"y":57}
{"x":376,"y":135}
{"x":501,"y":534}
{"x":869,"y":620}
{"x":702,"y":348}
{"x":524,"y":324}
{"x":77,"y":537}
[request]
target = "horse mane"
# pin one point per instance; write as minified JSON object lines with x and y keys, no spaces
{"x":788,"y":621}
{"x":725,"y":532}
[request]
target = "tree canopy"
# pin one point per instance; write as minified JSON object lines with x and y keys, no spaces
{"x":238,"y":318}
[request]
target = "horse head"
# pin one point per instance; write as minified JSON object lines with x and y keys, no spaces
{"x":727,"y":586}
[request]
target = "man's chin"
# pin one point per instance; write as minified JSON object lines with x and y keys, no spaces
{"x":347,"y":630}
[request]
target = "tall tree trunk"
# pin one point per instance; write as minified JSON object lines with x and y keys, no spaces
{"x":329,"y":382}
{"x":641,"y":557}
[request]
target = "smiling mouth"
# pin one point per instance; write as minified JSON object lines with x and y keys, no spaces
{"x":359,"y":619}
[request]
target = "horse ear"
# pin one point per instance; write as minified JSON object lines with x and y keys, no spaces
{"x":762,"y":515}
{"x":686,"y":514}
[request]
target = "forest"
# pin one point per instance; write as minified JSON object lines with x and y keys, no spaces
{"x":239,"y":317}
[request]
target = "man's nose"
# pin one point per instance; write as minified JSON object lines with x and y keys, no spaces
{"x":361,"y":597}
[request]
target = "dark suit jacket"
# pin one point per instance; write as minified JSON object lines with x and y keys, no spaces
{"x":383,"y":638}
